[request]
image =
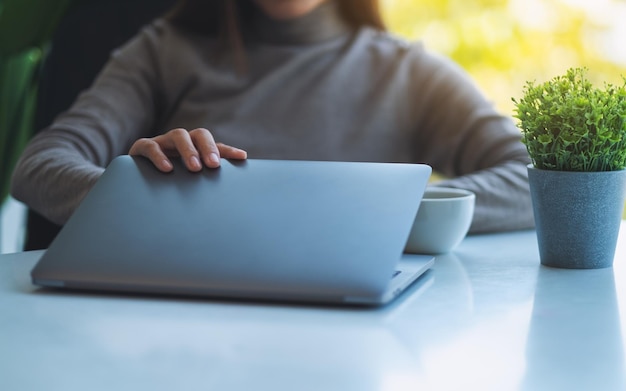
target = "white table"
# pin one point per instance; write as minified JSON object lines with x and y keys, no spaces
{"x":487,"y":317}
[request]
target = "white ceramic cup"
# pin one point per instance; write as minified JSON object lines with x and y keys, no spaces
{"x":443,"y":220}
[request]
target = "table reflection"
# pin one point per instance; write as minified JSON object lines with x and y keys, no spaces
{"x":566,"y":351}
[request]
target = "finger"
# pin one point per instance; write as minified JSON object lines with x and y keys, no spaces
{"x":151,"y":149}
{"x":229,"y":152}
{"x":183,"y":145}
{"x":204,"y":142}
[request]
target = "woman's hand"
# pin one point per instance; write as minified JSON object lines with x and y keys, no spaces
{"x":194,"y":147}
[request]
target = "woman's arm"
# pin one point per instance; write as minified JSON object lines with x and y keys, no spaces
{"x":478,"y":149}
{"x":121,"y":113}
{"x":61,"y":163}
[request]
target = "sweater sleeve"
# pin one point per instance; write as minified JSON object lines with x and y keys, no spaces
{"x":61,"y":163}
{"x":469,"y":143}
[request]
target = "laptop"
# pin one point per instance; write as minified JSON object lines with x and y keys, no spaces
{"x":303,"y":231}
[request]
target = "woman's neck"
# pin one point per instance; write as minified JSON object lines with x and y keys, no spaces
{"x":321,"y":24}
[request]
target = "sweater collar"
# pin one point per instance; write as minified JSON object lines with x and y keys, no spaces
{"x":321,"y":24}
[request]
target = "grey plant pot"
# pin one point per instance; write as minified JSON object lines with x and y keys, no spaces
{"x":577,"y":216}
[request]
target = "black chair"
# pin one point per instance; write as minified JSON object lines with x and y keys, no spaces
{"x":80,"y":46}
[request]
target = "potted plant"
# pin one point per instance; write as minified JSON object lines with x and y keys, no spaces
{"x":575,"y":134}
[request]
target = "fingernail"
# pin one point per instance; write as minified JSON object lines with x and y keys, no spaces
{"x":194,"y":162}
{"x":166,"y":164}
{"x":213,"y":158}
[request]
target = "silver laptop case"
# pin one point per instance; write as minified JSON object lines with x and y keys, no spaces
{"x":254,"y":229}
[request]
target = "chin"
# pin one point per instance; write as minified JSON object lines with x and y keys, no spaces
{"x":288,"y":9}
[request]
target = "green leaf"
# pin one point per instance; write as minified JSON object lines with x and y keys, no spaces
{"x":568,"y":124}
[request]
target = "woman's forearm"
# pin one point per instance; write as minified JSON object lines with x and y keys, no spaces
{"x":52,"y":177}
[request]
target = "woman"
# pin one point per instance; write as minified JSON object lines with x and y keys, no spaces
{"x":282,"y":79}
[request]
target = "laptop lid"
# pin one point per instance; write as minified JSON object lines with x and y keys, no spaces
{"x":254,"y":229}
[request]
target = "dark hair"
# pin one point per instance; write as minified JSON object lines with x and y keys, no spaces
{"x":359,"y":13}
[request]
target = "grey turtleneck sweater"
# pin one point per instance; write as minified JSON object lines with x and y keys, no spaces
{"x":314,"y":89}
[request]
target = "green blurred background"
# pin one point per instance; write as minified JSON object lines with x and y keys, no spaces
{"x":503,"y":43}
